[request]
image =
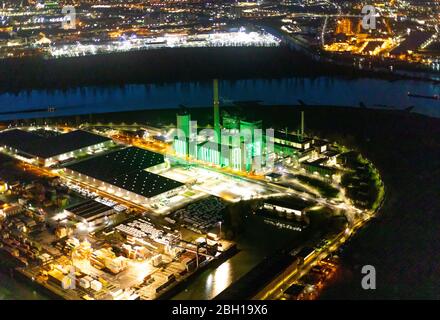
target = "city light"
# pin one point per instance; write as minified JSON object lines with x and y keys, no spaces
{"x":221,"y":39}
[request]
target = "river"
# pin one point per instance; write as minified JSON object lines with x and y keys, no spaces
{"x":313,"y":91}
{"x":11,"y":289}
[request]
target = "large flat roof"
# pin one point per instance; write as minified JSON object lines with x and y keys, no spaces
{"x":47,"y":147}
{"x":71,"y":141}
{"x":89,"y":210}
{"x":125,"y":169}
{"x":19,"y":139}
{"x":116,"y":163}
{"x":144,"y":183}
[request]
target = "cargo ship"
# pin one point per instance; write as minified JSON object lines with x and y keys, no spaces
{"x":414,"y":95}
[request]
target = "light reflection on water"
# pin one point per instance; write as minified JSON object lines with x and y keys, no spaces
{"x":252,"y":250}
{"x":219,"y":280}
{"x":12,"y":289}
{"x":313,"y":91}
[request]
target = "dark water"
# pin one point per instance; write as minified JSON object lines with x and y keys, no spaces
{"x":213,"y":281}
{"x":11,"y":289}
{"x":320,"y":90}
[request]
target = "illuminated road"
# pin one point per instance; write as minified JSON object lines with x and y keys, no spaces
{"x":323,"y":31}
{"x":275,"y":291}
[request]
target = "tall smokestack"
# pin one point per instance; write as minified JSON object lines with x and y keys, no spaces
{"x":216,"y":111}
{"x":302,"y":124}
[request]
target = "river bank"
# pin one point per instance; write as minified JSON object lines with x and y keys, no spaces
{"x":307,"y":90}
{"x":169,"y":66}
{"x":12,"y":285}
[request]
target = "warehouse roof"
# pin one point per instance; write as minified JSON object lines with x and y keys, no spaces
{"x":68,"y":142}
{"x":46,"y":147}
{"x":89,"y":210}
{"x":144,"y":183}
{"x":19,"y":139}
{"x":116,"y":163}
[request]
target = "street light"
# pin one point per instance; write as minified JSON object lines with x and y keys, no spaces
{"x":220,"y":232}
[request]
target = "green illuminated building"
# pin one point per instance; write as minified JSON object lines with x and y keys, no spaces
{"x":241,"y":142}
{"x":253,"y":140}
{"x":244,"y":147}
{"x":180,"y":146}
{"x":231,"y":122}
{"x":184,"y":141}
{"x":183,"y":122}
{"x":221,"y":155}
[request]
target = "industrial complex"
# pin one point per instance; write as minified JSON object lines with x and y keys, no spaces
{"x":103,"y":212}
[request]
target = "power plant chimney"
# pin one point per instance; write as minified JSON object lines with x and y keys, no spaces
{"x":302,"y":124}
{"x":216,"y":111}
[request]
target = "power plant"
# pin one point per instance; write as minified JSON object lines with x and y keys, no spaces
{"x":240,"y":144}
